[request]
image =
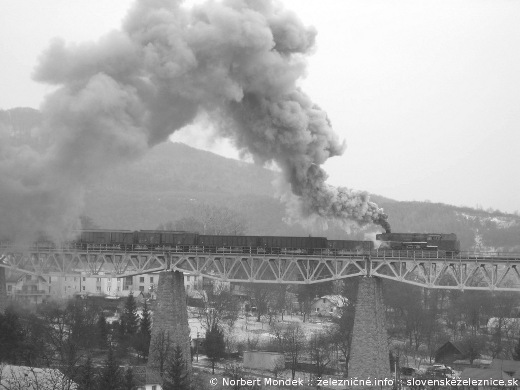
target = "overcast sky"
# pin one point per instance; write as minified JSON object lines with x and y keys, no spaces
{"x":426,"y":93}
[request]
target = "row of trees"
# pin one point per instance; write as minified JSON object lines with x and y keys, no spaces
{"x":68,"y":336}
{"x":87,"y":377}
{"x":480,"y":321}
{"x":209,"y":219}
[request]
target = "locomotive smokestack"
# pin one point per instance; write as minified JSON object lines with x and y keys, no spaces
{"x":237,"y":62}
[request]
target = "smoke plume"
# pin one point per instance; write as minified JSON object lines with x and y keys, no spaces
{"x":236,"y":61}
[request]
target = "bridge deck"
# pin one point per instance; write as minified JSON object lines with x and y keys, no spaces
{"x":466,"y":270}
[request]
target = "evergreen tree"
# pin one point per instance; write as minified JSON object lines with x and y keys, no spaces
{"x":11,"y":336}
{"x":119,"y":331}
{"x":129,"y":318}
{"x":120,"y":336}
{"x":87,"y":379}
{"x":516,"y":351}
{"x":145,"y":326}
{"x":215,"y":345}
{"x":176,"y":377}
{"x":102,"y":331}
{"x":142,"y":341}
{"x":110,"y":377}
{"x":129,"y":382}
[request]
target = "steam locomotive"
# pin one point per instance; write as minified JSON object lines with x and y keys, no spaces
{"x":180,"y":241}
{"x":441,"y":242}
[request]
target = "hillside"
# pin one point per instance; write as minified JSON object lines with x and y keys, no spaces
{"x":173,"y":180}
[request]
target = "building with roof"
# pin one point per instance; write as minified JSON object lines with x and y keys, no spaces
{"x":450,"y":352}
{"x":26,"y":287}
{"x":328,"y":305}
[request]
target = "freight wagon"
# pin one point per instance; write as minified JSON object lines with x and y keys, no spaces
{"x":105,"y":239}
{"x":342,"y":247}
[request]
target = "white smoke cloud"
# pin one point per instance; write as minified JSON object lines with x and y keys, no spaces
{"x":235,"y":61}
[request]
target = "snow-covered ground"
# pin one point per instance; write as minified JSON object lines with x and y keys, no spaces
{"x":246,"y":327}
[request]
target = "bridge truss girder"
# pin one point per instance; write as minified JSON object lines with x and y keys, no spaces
{"x":72,"y":263}
{"x":270,"y":268}
{"x":448,"y":274}
{"x":482,"y":273}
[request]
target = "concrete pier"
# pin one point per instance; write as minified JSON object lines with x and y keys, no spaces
{"x":369,"y":348}
{"x":170,"y":325}
{"x":3,"y":291}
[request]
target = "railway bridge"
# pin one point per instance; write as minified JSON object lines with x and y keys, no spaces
{"x":369,"y":355}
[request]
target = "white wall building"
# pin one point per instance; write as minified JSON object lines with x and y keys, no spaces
{"x":65,"y":287}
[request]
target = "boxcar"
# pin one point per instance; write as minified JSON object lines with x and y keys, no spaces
{"x":116,"y":239}
{"x":296,"y":245}
{"x":178,"y":238}
{"x":351,"y":245}
{"x":124,"y":237}
{"x":95,"y":236}
{"x":148,"y":237}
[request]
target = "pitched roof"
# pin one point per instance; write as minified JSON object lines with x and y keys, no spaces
{"x":13,"y":276}
{"x":458,"y":346}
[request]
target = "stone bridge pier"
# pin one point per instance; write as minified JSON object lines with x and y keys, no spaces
{"x":369,"y":348}
{"x":3,"y":291}
{"x":170,"y":326}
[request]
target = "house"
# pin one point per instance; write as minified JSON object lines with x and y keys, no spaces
{"x":328,"y":305}
{"x":510,"y":367}
{"x":449,"y":352}
{"x":144,"y":286}
{"x":32,"y":378}
{"x":26,"y":287}
{"x":504,"y":324}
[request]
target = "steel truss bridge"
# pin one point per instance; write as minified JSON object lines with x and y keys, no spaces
{"x":464,"y":271}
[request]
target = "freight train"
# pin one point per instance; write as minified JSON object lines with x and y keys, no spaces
{"x":180,"y":241}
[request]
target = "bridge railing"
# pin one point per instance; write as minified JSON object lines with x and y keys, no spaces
{"x":444,"y":255}
{"x":185,"y":249}
{"x":386,"y":254}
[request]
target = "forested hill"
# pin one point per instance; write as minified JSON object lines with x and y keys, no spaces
{"x":174,"y":181}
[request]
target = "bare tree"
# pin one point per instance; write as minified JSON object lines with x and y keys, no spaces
{"x":260,"y":294}
{"x":341,"y":331}
{"x":220,"y":220}
{"x":279,"y":299}
{"x":320,"y":348}
{"x":278,"y":367}
{"x":505,"y":329}
{"x":162,"y":347}
{"x":474,"y":345}
{"x":235,"y":372}
{"x":219,"y":306}
{"x":294,"y":344}
{"x":277,"y":332}
{"x":23,"y":378}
